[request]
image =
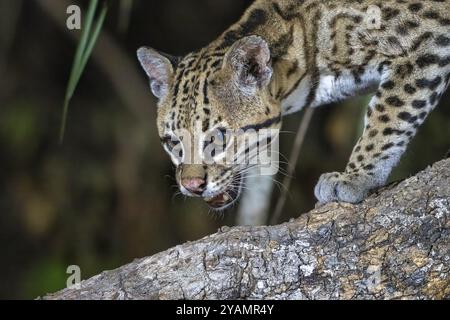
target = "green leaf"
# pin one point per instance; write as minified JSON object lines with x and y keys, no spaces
{"x":93,"y":38}
{"x":82,"y":54}
{"x":81,"y":49}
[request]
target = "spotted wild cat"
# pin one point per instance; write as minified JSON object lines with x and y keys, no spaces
{"x":286,"y":55}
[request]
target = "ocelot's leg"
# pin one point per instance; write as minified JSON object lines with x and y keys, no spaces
{"x":407,"y":93}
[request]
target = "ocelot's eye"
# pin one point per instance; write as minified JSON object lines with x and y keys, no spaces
{"x":216,"y":142}
{"x":173,"y":145}
{"x":222,"y":134}
{"x":218,"y":137}
{"x":170,"y":142}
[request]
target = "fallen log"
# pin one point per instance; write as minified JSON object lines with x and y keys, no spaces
{"x":394,"y":245}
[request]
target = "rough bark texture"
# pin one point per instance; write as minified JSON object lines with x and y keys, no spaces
{"x":393,"y":245}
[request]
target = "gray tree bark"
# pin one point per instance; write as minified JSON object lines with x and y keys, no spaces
{"x":394,"y":245}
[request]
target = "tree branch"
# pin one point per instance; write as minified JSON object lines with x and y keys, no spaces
{"x":393,"y":245}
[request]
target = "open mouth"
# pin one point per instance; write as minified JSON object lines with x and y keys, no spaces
{"x":227,"y":197}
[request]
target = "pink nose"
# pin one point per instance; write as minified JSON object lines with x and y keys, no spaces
{"x":194,"y":185}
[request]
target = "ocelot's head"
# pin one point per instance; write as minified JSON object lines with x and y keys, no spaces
{"x":206,"y":100}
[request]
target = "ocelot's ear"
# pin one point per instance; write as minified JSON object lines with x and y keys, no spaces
{"x":250,"y":58}
{"x":159,"y":67}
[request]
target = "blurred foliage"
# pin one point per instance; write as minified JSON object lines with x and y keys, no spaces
{"x":89,"y":33}
{"x":106,"y":196}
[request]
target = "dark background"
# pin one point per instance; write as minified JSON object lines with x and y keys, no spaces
{"x":105,"y":196}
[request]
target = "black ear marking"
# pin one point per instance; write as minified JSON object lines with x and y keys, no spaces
{"x":174,"y":60}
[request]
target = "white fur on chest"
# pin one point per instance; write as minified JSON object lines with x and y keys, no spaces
{"x":331,"y":89}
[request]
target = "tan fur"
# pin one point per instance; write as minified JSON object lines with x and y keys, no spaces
{"x":320,"y":52}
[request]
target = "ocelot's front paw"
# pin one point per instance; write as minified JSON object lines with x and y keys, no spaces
{"x":343,"y":187}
